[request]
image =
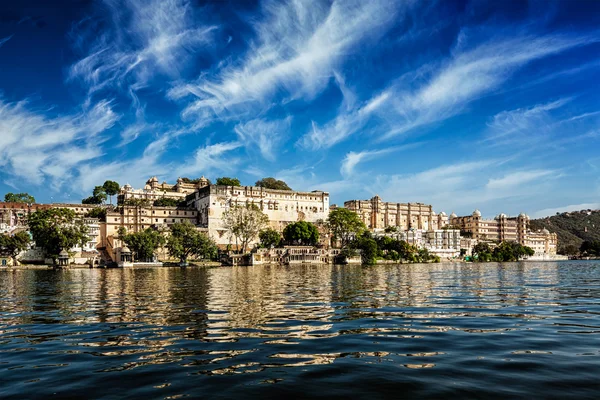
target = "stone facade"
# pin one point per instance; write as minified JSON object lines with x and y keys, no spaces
{"x":501,"y":228}
{"x":542,"y":242}
{"x":281,"y":206}
{"x":377,"y":214}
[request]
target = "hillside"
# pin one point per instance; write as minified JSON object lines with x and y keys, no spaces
{"x":572,"y":227}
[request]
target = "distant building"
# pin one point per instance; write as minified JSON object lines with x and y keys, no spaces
{"x":501,"y":228}
{"x":504,"y":228}
{"x":377,"y":214}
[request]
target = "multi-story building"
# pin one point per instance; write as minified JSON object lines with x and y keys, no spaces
{"x":153,"y":190}
{"x":543,"y":242}
{"x":13,"y":216}
{"x":377,"y":214}
{"x":281,"y":206}
{"x":501,"y":228}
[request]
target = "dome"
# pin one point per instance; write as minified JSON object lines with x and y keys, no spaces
{"x":501,"y":216}
{"x":443,"y":214}
{"x":63,"y":254}
{"x":477,"y":213}
{"x":523,"y":215}
{"x":203,"y":179}
{"x":453,"y":215}
{"x":545,"y":231}
{"x":125,"y":249}
{"x":179,"y":180}
{"x":154,"y":179}
{"x":127,"y":186}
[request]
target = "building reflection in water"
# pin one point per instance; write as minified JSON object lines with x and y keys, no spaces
{"x":246,"y":319}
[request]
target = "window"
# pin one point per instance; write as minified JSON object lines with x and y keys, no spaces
{"x":173,"y":219}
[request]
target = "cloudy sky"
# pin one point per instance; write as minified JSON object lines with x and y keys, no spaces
{"x":463,"y":105}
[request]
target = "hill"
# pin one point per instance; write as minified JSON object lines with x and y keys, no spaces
{"x":572,"y":227}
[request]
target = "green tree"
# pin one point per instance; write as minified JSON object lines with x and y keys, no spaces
{"x":269,"y":237}
{"x":391,"y":229}
{"x":272,"y":183}
{"x":99,"y":193}
{"x":111,"y":188}
{"x":570,"y":250}
{"x":91,"y":200}
{"x":186,"y":241}
{"x":55,"y":229}
{"x":244,"y":223}
{"x":97,"y":212}
{"x":226,"y":181}
{"x":345,"y":225}
{"x":367,"y":246}
{"x":19,"y":198}
{"x":193,"y":181}
{"x":143,"y":244}
{"x":482,"y":252}
{"x":301,"y":233}
{"x":168,"y":202}
{"x":11,"y":246}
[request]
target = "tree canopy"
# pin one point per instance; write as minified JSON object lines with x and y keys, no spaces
{"x":244,"y":223}
{"x":301,"y":233}
{"x":226,"y":181}
{"x":503,"y":252}
{"x":98,"y":196}
{"x":19,"y":198}
{"x":186,"y":241}
{"x":111,"y":188}
{"x":193,"y":181}
{"x":269,"y":237}
{"x":143,"y":244}
{"x":97,"y":212}
{"x":11,"y":246}
{"x":345,"y":225}
{"x":169,"y":202}
{"x":272,"y":183}
{"x":590,"y":248}
{"x":55,"y":229}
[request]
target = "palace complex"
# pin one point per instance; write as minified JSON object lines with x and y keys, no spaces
{"x":203,"y":205}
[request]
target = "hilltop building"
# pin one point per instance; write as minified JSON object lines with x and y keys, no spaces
{"x":153,"y":190}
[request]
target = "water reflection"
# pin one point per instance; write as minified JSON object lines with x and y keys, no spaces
{"x":275,"y":324}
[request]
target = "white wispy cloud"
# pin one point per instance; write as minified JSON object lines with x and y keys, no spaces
{"x":352,"y":159}
{"x":4,"y":40}
{"x":523,"y":125}
{"x":298,"y":45}
{"x":347,"y":123}
{"x":470,"y":74}
{"x":144,"y":38}
{"x":521,"y":177}
{"x":35,"y":147}
{"x":267,"y":136}
{"x":211,"y":159}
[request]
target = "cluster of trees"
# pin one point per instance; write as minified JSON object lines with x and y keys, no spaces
{"x":504,"y":252}
{"x":299,"y":233}
{"x":19,"y":198}
{"x":100,"y":193}
{"x":169,"y":202}
{"x":351,"y":233}
{"x":267,"y":183}
{"x":194,"y":181}
{"x":97,"y":212}
{"x":387,"y":248}
{"x":573,"y":228}
{"x":11,"y":246}
{"x":272,"y":183}
{"x":56,"y":229}
{"x":183,"y":242}
{"x":590,"y":248}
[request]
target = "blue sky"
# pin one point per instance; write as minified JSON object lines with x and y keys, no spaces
{"x":463,"y":105}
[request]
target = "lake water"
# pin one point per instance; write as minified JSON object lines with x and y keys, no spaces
{"x":515,"y":330}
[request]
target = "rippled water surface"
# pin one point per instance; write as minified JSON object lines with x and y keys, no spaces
{"x":527,"y":330}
